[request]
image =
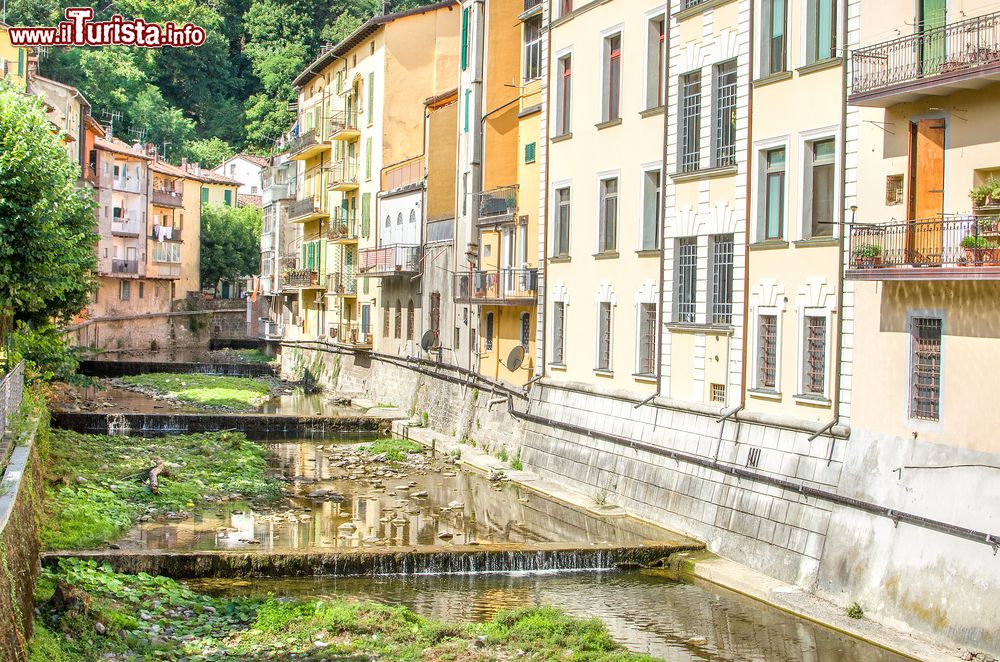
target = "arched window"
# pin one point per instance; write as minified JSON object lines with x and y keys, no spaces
{"x":488,"y":332}
{"x":399,"y":320}
{"x":388,"y":222}
{"x":399,"y":218}
{"x":409,"y":320}
{"x":413,"y":216}
{"x":525,"y":330}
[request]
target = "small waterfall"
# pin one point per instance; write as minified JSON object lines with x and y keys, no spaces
{"x":118,"y":425}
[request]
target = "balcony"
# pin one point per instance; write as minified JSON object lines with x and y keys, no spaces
{"x":949,"y":247}
{"x":302,"y":279}
{"x":344,"y":125}
{"x":351,"y":334}
{"x":276,"y":192}
{"x":270,"y":330}
{"x":403,"y":174}
{"x":344,"y":227}
{"x":170,"y":270}
{"x":936,"y":61}
{"x":126,"y":268}
{"x":511,"y":287}
{"x":343,"y":176}
{"x":126,"y":184}
{"x":165,"y":233}
{"x":498,"y":205}
{"x":393,"y":260}
{"x":168,"y":198}
{"x":304,"y":211}
{"x":306,"y":145}
{"x":343,"y":284}
{"x":126,"y":226}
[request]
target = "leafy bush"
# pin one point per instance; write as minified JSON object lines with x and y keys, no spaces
{"x":47,"y":355}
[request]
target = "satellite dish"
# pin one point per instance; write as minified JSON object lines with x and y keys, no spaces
{"x":515,"y":358}
{"x":427,"y":341}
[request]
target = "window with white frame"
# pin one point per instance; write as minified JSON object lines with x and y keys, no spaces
{"x":608,"y":230}
{"x":690,"y":121}
{"x":564,"y":96}
{"x":525,"y":330}
{"x":533,"y":48}
{"x":125,"y":290}
{"x":559,"y":332}
{"x":925,"y":368}
{"x":814,"y":344}
{"x":646,"y":359}
{"x":612,"y":78}
{"x":722,"y":279}
{"x":820,"y":184}
{"x":767,"y":352}
{"x":774,"y":41}
{"x":772,"y":223}
{"x":685,"y":302}
{"x":656,"y":44}
{"x":651,"y":197}
{"x":821,"y":30}
{"x":562,"y":218}
{"x":724,"y":117}
{"x":604,"y":335}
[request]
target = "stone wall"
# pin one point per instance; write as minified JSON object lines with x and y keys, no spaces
{"x":161,"y":331}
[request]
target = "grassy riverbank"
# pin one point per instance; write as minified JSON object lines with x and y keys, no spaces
{"x":237,"y":393}
{"x":89,"y":612}
{"x":97,"y":486}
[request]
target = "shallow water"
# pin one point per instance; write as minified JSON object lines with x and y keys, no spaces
{"x":459,"y":507}
{"x":645,"y":611}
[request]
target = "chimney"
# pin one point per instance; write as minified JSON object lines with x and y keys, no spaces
{"x":184,"y":163}
{"x":32,"y":66}
{"x":386,"y":7}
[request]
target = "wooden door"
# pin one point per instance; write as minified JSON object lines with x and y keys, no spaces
{"x":925,"y":236}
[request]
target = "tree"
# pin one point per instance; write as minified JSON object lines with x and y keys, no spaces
{"x":230,"y":243}
{"x":47,"y":224}
{"x":209,"y":152}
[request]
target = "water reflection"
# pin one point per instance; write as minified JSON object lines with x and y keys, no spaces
{"x":645,"y":611}
{"x":334,"y":501}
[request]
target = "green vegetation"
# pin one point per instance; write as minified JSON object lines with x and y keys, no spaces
{"x":502,"y":455}
{"x":230,"y":243}
{"x":515,"y":462}
{"x":854,"y":610}
{"x":204,"y":390}
{"x":77,"y":595}
{"x":395,"y":449}
{"x":97,"y":486}
{"x":46,"y":353}
{"x":244,"y":355}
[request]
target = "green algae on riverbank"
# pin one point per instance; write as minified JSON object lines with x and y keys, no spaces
{"x":235,"y":393}
{"x":97,"y":486}
{"x":87,"y":612}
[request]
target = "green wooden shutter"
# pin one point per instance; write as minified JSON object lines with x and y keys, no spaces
{"x":204,"y":195}
{"x":228,"y":196}
{"x":529,"y":153}
{"x":465,"y":125}
{"x":465,"y":39}
{"x":368,"y":159}
{"x":20,"y":62}
{"x":371,"y":99}
{"x":366,"y":213}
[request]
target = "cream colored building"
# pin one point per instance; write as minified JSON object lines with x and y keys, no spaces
{"x":605,"y":142}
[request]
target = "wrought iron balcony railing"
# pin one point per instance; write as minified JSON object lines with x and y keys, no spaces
{"x":390,"y":260}
{"x":344,"y":226}
{"x":344,"y":283}
{"x":944,"y":247}
{"x":125,"y":267}
{"x":944,"y":53}
{"x":164,"y":233}
{"x":344,"y":122}
{"x":168,"y":198}
{"x":498,"y":205}
{"x":303,"y":141}
{"x":303,"y":208}
{"x":343,"y":173}
{"x":497,"y":286}
{"x":353,"y":334}
{"x":302,"y":278}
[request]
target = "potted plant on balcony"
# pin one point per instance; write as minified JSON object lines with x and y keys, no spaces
{"x":980,"y":250}
{"x":867,"y":256}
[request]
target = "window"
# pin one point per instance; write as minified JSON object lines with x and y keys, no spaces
{"x":559,"y":333}
{"x":724,"y":134}
{"x":228,"y":197}
{"x":893,"y":190}
{"x":385,"y":321}
{"x":925,"y":369}
{"x":565,"y":7}
{"x":142,"y":289}
{"x":608,"y":241}
{"x":533,"y":48}
{"x":409,"y":320}
{"x":774,"y":193}
{"x":722,"y":279}
{"x":561,"y":239}
{"x":690,"y":121}
{"x":821,"y":30}
{"x":371,"y":97}
{"x":687,"y":279}
{"x":647,"y":339}
{"x":650,"y":210}
{"x":125,"y":290}
{"x":525,"y":330}
{"x":564,"y":95}
{"x":656,"y":42}
{"x":366,"y":214}
{"x":465,"y":38}
{"x":767,"y":352}
{"x":436,"y":317}
{"x":398,"y":329}
{"x":773,"y":46}
{"x":604,"y":335}
{"x":612,"y":78}
{"x":529,"y":152}
{"x":488,"y":332}
{"x":717,"y":392}
{"x":814,"y":356}
{"x":204,"y":193}
{"x":368,"y":159}
{"x":821,"y":188}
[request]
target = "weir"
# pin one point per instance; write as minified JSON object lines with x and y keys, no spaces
{"x":99,"y":368}
{"x":262,"y":425}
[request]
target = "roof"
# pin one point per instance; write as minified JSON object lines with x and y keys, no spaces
{"x":95,"y":126}
{"x":442,"y":99}
{"x":256,"y":160}
{"x":369,"y":27}
{"x":75,"y":92}
{"x":119,"y":147}
{"x":210,"y":177}
{"x":165,"y":168}
{"x":247,"y":200}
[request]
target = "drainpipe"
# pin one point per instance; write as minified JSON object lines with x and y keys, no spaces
{"x":746,"y":239}
{"x":543,"y":259}
{"x":842,"y":195}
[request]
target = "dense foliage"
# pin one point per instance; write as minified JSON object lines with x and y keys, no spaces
{"x":230,"y":243}
{"x":205,"y":390}
{"x":235,"y":87}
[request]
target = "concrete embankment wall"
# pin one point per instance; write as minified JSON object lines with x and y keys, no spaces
{"x":826,"y":513}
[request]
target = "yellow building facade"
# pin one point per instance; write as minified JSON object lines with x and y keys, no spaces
{"x":13,"y":59}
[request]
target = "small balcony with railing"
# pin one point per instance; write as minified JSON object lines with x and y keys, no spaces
{"x":305,"y":210}
{"x":498,"y":205}
{"x":344,"y":125}
{"x":126,"y":225}
{"x":946,"y":247}
{"x":404,"y":175}
{"x":351,"y":334}
{"x":344,"y":175}
{"x":306,"y":145}
{"x":165,"y":233}
{"x":303,"y":279}
{"x":393,"y":260}
{"x":127,"y":268}
{"x":164,"y":197}
{"x":343,"y":283}
{"x":271,"y":330}
{"x":934,"y":61}
{"x":511,"y":287}
{"x":344,"y":226}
